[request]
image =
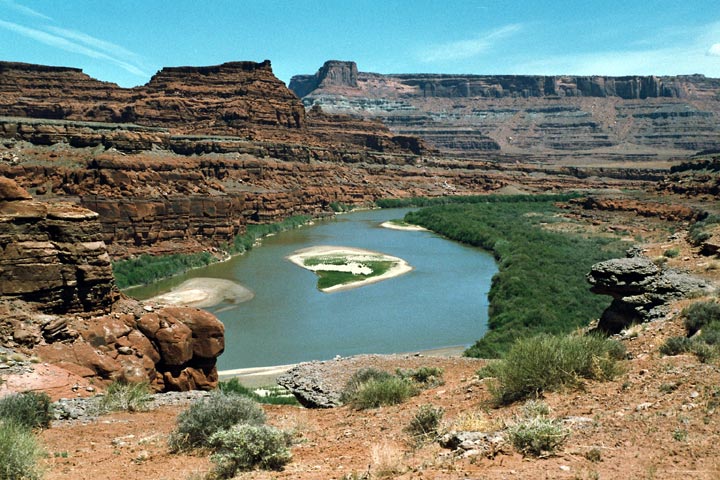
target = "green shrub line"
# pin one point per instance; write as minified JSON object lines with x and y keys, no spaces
{"x":540,"y":285}
{"x":470,"y":199}
{"x":147,"y":269}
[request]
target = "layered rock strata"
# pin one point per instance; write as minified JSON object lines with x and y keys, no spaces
{"x":469,"y":115}
{"x":58,"y":299}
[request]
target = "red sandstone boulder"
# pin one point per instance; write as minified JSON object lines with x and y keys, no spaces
{"x":208,"y":333}
{"x":9,"y":190}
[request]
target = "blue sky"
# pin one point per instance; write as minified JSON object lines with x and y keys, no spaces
{"x":127,"y":41}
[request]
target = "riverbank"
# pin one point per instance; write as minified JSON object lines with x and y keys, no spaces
{"x":354,"y":261}
{"x":204,"y":292}
{"x":263,"y":376}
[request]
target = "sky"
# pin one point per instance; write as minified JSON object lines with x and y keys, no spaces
{"x":128,"y":41}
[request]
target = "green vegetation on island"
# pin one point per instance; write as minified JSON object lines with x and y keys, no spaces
{"x":540,"y":286}
{"x":147,"y":269}
{"x":330,"y":278}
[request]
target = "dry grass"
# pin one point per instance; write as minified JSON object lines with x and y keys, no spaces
{"x":386,"y":460}
{"x":473,"y":422}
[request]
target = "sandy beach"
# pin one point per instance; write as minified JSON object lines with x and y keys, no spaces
{"x":355,"y":257}
{"x":410,"y":228}
{"x":204,"y":292}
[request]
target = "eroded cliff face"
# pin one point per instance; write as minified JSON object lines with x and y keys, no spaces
{"x":58,"y":299}
{"x":469,"y":115}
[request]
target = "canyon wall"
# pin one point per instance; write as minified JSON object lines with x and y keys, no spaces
{"x":58,"y":299}
{"x":554,"y":116}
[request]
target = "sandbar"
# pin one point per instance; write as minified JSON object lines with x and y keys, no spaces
{"x":355,"y":257}
{"x":395,"y":226}
{"x":205,"y":292}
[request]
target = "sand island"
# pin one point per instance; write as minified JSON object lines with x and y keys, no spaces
{"x":343,"y":268}
{"x":205,"y":292}
{"x":402,"y":225}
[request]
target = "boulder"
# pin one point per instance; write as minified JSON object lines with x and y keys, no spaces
{"x":312,"y":387}
{"x":641,"y":290}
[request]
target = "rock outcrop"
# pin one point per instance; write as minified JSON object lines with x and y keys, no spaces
{"x":59,"y":300}
{"x":559,"y":116}
{"x":52,"y":254}
{"x":641,"y":290}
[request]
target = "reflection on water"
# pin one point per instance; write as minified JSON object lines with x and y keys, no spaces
{"x":442,"y":302}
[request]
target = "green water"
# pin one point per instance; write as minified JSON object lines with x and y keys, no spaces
{"x":442,"y":302}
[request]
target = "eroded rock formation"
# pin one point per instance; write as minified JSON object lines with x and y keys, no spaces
{"x":641,"y":290}
{"x":557,"y":116}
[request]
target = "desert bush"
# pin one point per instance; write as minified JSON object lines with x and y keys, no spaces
{"x":699,"y":314}
{"x":210,"y":415}
{"x":537,"y":435}
{"x":29,"y":409}
{"x":19,"y":452}
{"x":535,"y":408}
{"x":545,"y":363}
{"x":360,"y":378}
{"x":671,"y":253}
{"x":376,"y":393}
{"x":244,"y":447}
{"x":675,"y":346}
{"x":426,"y":422}
{"x":427,"y":377}
{"x":125,"y":396}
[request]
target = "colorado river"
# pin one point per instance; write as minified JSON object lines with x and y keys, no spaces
{"x":441,"y":302}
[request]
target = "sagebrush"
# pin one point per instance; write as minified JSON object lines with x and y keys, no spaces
{"x":210,"y":415}
{"x":244,"y":447}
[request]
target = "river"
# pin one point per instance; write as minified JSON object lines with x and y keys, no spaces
{"x":442,"y":302}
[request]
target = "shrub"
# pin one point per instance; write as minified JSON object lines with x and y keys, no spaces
{"x":545,"y":363}
{"x":205,"y":417}
{"x":19,"y":452}
{"x":427,"y":377}
{"x":360,"y":378}
{"x":244,"y":447}
{"x":29,"y":409}
{"x":675,"y":346}
{"x":699,"y":314}
{"x":426,"y":422}
{"x":535,"y":408}
{"x":537,"y":435}
{"x":671,"y":252}
{"x":376,"y":393}
{"x":130,"y":397}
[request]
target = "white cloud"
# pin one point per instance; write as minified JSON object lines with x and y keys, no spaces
{"x":63,"y":40}
{"x":91,"y":41}
{"x":463,"y":49}
{"x":685,"y":55}
{"x":24,"y":10}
